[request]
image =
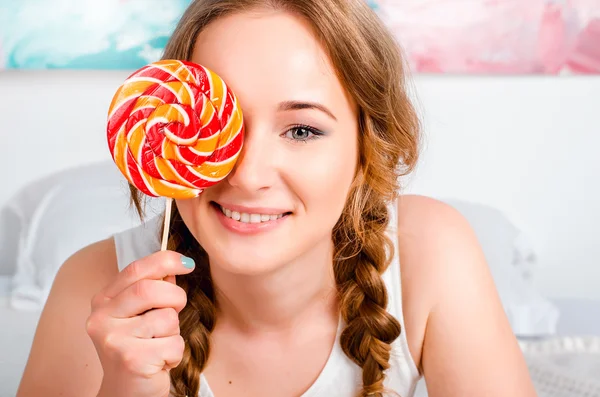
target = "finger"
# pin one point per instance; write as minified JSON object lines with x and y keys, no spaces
{"x":161,"y":353}
{"x":174,"y":347}
{"x":173,"y":350}
{"x":145,"y":295}
{"x":154,"y":267}
{"x":156,"y":323}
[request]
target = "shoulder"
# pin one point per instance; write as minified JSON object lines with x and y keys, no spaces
{"x":434,"y":242}
{"x":430,"y":234}
{"x":62,"y":323}
{"x":422,"y":216}
{"x":451,"y":306}
{"x":94,"y":265}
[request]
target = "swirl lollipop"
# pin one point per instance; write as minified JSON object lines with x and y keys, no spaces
{"x":174,"y":129}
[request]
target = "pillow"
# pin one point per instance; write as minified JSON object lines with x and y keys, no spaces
{"x":16,"y":214}
{"x":10,"y":228}
{"x":511,"y":260}
{"x":500,"y":239}
{"x":81,"y":207}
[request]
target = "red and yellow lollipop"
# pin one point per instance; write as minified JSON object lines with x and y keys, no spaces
{"x":174,"y":129}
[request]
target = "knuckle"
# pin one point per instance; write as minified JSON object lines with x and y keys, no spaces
{"x":141,"y":289}
{"x":172,"y":318}
{"x":182,"y":296}
{"x":93,"y":324}
{"x":134,"y":270}
{"x":172,"y":262}
{"x":137,"y":363}
{"x":145,"y":375}
{"x":164,"y":258}
{"x":129,"y":361}
{"x":171,"y":256}
{"x":110,"y":343}
{"x":144,"y":329}
{"x":179,"y":344}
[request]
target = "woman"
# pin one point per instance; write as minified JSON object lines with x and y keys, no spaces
{"x":311,"y":300}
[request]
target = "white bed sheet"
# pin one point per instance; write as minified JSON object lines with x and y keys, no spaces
{"x":551,"y":365}
{"x":564,"y":366}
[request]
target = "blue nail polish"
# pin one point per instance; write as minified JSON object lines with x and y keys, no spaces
{"x":188,"y":262}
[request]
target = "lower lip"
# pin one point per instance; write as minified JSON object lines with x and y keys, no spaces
{"x":246,"y":228}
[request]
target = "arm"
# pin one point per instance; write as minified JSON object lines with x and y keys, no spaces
{"x":63,"y":360}
{"x":468,"y":348}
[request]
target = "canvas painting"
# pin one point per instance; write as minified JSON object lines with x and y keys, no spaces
{"x":553,"y":37}
{"x":85,"y":34}
{"x":497,"y":36}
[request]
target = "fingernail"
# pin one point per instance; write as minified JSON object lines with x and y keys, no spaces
{"x":188,"y":262}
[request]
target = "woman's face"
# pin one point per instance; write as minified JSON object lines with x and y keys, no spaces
{"x":300,"y":152}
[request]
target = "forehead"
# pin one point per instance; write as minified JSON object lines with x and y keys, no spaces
{"x":267,"y":57}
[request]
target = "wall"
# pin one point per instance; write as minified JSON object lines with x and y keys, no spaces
{"x":526,"y":145}
{"x":530,"y":147}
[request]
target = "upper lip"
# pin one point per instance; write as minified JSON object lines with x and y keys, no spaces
{"x":253,"y":210}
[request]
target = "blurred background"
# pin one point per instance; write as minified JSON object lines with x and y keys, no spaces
{"x":509,"y":96}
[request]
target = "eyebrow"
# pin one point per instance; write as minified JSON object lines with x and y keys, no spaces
{"x":298,"y":105}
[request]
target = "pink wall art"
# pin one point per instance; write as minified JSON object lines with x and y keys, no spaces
{"x":550,"y":37}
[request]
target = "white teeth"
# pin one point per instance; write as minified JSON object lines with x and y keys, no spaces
{"x":254,"y":218}
{"x":249,"y":218}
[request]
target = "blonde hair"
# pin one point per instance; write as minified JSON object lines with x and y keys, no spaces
{"x":369,"y":65}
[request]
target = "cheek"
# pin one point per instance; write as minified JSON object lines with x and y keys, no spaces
{"x":324,"y":179}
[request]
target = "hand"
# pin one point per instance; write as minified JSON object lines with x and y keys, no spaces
{"x":134,"y":325}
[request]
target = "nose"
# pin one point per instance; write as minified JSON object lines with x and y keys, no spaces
{"x":254,"y":170}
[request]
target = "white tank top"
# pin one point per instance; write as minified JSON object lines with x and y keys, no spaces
{"x":340,"y":377}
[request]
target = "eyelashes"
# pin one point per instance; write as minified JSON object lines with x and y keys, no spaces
{"x":302,"y":133}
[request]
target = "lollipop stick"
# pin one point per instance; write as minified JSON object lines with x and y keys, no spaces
{"x":165,"y":236}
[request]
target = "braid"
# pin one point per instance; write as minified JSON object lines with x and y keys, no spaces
{"x":197,"y":319}
{"x":360,"y":259}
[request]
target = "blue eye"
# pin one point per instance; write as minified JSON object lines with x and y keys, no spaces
{"x":303,"y":133}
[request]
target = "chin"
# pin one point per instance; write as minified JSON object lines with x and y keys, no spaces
{"x":248,"y":260}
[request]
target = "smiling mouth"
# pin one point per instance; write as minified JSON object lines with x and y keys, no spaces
{"x":244,"y":217}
